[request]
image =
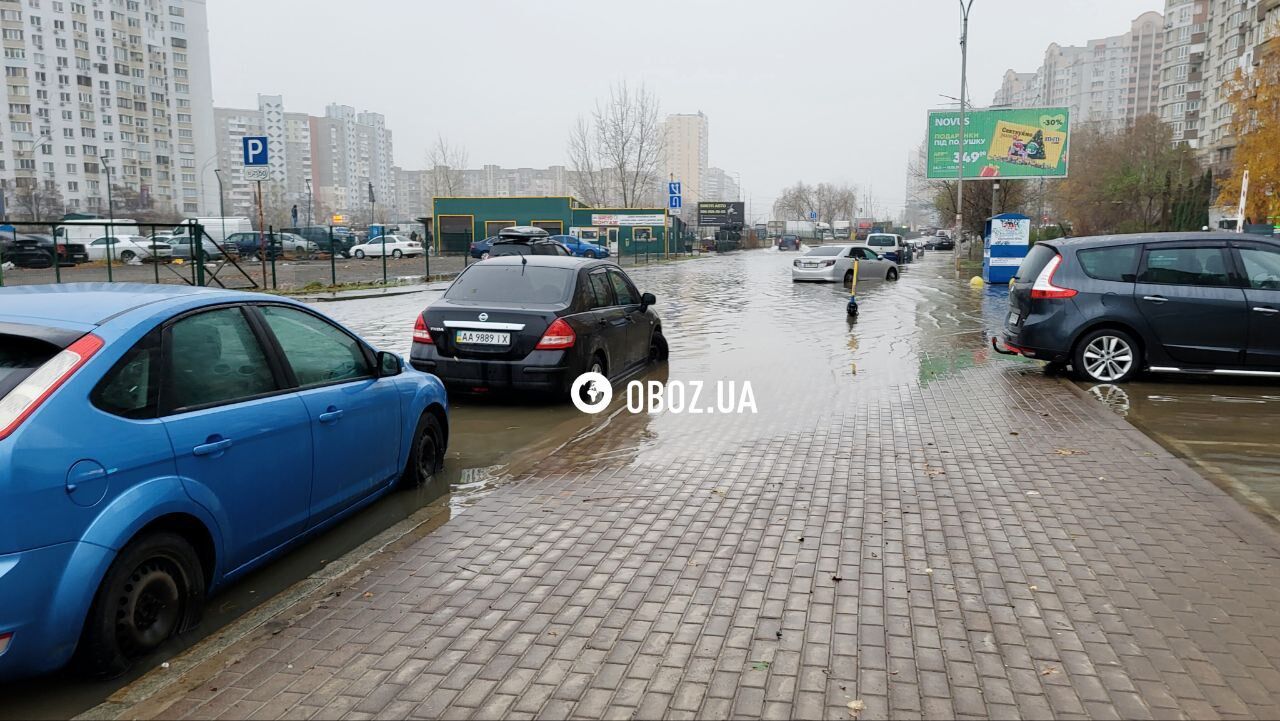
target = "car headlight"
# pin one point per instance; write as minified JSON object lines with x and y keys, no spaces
{"x":796,"y":263}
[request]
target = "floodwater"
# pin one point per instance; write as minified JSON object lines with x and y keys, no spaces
{"x":733,"y":319}
{"x":1229,"y":431}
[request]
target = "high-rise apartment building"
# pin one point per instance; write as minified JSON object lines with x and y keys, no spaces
{"x":351,"y":151}
{"x":289,"y":140}
{"x":686,"y":154}
{"x":1108,"y":81}
{"x":1234,"y":30}
{"x":1181,"y":77}
{"x":720,"y":186}
{"x":107,"y":86}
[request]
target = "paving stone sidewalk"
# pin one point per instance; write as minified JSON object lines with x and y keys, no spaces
{"x":990,"y":545}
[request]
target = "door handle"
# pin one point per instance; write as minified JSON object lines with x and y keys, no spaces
{"x":331,"y":415}
{"x":1268,"y":311}
{"x":1155,"y":298}
{"x":602,"y":322}
{"x":208,"y":449}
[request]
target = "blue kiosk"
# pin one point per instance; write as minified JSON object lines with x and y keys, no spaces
{"x":1006,"y":240}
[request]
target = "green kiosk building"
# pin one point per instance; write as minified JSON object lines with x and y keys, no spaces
{"x":626,"y":231}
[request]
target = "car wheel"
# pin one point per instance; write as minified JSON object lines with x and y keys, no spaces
{"x":1107,"y":355}
{"x":426,"y":455}
{"x":484,"y":255}
{"x":127,"y":255}
{"x":892,"y":274}
{"x":658,"y":349}
{"x":360,"y":254}
{"x":848,"y":277}
{"x":396,"y":253}
{"x":153,"y":591}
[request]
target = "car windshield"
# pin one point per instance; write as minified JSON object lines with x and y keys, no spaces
{"x":881,"y":240}
{"x":829,"y":250}
{"x":20,"y":356}
{"x":494,"y":283}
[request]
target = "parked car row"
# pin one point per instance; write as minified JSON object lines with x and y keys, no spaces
{"x":185,"y":401}
{"x":573,"y":245}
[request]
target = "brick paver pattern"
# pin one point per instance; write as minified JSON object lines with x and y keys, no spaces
{"x":989,"y":545}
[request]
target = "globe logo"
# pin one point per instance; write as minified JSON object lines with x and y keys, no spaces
{"x":591,"y":392}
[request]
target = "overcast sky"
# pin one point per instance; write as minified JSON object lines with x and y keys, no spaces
{"x":794,"y":89}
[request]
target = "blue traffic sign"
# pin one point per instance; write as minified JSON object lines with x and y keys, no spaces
{"x":673,"y":188}
{"x":255,"y":150}
{"x":813,"y":215}
{"x":673,"y":202}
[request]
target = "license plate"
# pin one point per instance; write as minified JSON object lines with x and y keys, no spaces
{"x":808,"y":265}
{"x":1013,"y":318}
{"x":482,"y":337}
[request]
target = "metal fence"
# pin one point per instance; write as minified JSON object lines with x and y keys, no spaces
{"x":315,"y":257}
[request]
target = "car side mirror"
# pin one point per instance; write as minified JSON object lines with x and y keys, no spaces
{"x":389,"y":364}
{"x":647,"y":299}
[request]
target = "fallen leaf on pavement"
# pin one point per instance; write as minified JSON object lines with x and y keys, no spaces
{"x":720,"y":491}
{"x":855,"y":707}
{"x":1069,"y":452}
{"x":760,"y":666}
{"x":1049,"y":671}
{"x":368,"y":594}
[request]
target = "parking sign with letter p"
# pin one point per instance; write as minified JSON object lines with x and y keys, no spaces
{"x":255,"y":150}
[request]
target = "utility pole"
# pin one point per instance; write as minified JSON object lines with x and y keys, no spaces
{"x":964,"y":68}
{"x":308,"y":201}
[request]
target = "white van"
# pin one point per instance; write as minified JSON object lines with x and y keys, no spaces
{"x":217,"y":229}
{"x":891,"y":245}
{"x":87,"y":231}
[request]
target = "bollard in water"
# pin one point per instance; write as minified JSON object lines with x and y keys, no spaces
{"x":851,"y":308}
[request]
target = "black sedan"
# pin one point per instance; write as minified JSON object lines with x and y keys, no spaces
{"x":535,"y":323}
{"x":33,"y":250}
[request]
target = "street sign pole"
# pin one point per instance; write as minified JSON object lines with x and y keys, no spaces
{"x":262,"y":243}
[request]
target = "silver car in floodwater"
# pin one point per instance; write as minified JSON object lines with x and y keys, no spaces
{"x":834,"y":264}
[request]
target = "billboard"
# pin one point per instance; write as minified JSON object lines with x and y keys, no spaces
{"x":1001,"y":143}
{"x":612,"y":219}
{"x":721,"y":213}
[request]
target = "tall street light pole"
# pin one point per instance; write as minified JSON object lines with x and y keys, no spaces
{"x":964,"y":68}
{"x":308,"y":202}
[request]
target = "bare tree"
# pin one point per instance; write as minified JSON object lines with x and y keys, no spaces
{"x":615,"y":154}
{"x":829,"y":201}
{"x":589,"y":183}
{"x":445,"y":165}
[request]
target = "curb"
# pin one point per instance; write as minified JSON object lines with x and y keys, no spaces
{"x":152,"y":693}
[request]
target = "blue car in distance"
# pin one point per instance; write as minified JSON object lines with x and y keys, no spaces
{"x":480,"y":248}
{"x":157,"y":442}
{"x":581,"y":248}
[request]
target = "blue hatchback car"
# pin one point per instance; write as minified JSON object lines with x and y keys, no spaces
{"x":581,"y":248}
{"x":157,"y":442}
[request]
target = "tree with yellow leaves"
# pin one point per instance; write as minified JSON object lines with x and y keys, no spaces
{"x":1255,"y":123}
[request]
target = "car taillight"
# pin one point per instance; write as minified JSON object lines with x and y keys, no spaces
{"x":1044,"y":287}
{"x":23,"y":400}
{"x":828,"y":263}
{"x":558,"y":336}
{"x":420,"y":332}
{"x":5,"y":638}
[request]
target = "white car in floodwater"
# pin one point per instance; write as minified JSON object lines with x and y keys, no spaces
{"x":834,"y":264}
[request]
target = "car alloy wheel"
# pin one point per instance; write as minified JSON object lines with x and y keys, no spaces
{"x":360,"y":254}
{"x":484,"y":255}
{"x":127,"y":255}
{"x":892,"y":274}
{"x":396,"y":253}
{"x":1108,"y":357}
{"x":848,"y":277}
